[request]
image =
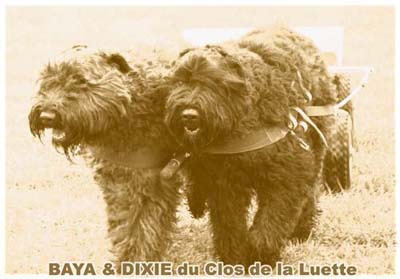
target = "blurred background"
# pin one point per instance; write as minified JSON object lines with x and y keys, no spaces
{"x":56,"y":213}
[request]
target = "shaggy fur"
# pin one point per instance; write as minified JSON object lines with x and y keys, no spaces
{"x":236,"y":90}
{"x":103,"y":104}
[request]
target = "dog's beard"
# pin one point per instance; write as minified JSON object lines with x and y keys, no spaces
{"x":211,"y":130}
{"x":76,"y":125}
{"x":216,"y":115}
{"x":194,"y":140}
{"x":65,"y":136}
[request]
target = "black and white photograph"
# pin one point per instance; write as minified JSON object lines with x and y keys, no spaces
{"x":195,"y":139}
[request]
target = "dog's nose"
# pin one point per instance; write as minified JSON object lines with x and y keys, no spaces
{"x":190,"y":114}
{"x":47,"y":115}
{"x":47,"y":118}
{"x":190,"y":118}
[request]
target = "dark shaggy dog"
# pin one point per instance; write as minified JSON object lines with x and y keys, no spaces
{"x":113,"y":113}
{"x":222,"y":94}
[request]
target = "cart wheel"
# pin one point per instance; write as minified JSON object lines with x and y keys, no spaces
{"x":337,"y":164}
{"x":343,"y":87}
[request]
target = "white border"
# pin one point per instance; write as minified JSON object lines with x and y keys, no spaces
{"x":6,"y":3}
{"x":2,"y":134}
{"x":199,"y":2}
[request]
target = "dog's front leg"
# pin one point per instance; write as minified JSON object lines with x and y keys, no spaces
{"x":141,"y":214}
{"x":228,"y":202}
{"x":286,"y":201}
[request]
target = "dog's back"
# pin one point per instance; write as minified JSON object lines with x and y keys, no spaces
{"x":295,"y":55}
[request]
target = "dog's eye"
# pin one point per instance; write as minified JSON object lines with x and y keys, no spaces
{"x":71,"y":96}
{"x":78,"y":79}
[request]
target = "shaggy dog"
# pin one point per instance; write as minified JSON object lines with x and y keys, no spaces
{"x":225,"y":95}
{"x":110,"y":111}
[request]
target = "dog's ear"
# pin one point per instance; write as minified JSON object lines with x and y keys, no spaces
{"x":181,"y":54}
{"x":236,"y":79}
{"x":186,"y":50}
{"x":234,"y":83}
{"x":118,"y":61}
{"x":218,"y":49}
{"x":235,"y":66}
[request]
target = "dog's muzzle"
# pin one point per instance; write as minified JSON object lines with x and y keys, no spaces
{"x":48,"y":119}
{"x":191,"y":120}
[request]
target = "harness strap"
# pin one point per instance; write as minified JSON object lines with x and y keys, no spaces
{"x":307,"y":93}
{"x":308,"y":120}
{"x":253,"y":141}
{"x":361,"y":85}
{"x":321,"y":110}
{"x":333,"y":109}
{"x":173,"y":165}
{"x":143,"y":158}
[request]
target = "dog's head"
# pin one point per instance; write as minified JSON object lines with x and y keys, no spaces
{"x":207,"y":99}
{"x":80,"y":99}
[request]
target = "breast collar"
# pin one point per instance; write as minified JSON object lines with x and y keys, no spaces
{"x":142,"y":158}
{"x":253,"y":141}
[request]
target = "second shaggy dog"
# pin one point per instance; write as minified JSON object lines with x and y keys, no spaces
{"x":112,"y":112}
{"x":232,"y":109}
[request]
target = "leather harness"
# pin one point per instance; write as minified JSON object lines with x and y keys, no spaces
{"x":155,"y":157}
{"x":143,"y":158}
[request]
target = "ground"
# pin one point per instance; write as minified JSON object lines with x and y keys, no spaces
{"x":55,"y":212}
